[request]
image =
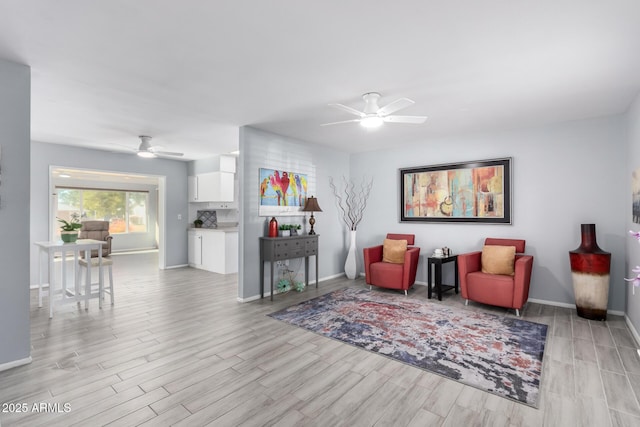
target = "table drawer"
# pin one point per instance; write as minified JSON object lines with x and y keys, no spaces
{"x":289,"y":249}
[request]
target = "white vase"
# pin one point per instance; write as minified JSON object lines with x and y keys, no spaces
{"x":350,"y":268}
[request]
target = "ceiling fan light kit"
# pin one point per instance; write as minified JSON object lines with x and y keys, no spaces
{"x":371,"y":122}
{"x":147,"y":151}
{"x":374,"y":116}
{"x":146,"y":154}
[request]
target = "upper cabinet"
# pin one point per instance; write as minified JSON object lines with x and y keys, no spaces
{"x":211,"y":187}
{"x":228,"y":164}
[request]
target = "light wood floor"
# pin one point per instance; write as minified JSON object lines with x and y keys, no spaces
{"x":178,"y":349}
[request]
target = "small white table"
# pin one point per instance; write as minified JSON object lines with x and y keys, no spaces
{"x":77,"y":247}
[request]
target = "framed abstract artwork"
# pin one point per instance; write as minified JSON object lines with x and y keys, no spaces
{"x":282,"y":192}
{"x":476,"y":191}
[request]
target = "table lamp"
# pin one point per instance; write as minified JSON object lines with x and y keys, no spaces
{"x":311,"y":205}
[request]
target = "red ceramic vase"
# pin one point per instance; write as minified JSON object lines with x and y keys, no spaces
{"x":590,"y":267}
{"x":273,"y":227}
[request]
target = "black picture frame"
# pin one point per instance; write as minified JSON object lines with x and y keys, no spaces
{"x":476,"y":191}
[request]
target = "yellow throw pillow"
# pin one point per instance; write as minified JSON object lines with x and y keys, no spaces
{"x":498,"y":259}
{"x":393,"y":251}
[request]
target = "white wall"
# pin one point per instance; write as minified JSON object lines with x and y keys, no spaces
{"x":15,"y":94}
{"x":563,"y":176}
{"x":44,"y":155}
{"x":260,"y":149}
{"x":633,"y":248}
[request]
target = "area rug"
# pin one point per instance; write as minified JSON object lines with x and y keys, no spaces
{"x":500,"y":355}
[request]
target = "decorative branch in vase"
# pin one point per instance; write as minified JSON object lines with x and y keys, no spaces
{"x":352,"y":201}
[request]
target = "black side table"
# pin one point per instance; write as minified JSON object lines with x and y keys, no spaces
{"x":437,"y":262}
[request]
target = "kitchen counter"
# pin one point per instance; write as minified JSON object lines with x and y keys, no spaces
{"x":219,"y":229}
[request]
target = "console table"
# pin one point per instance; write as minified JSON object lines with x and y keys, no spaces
{"x":274,"y":249}
{"x":437,"y":262}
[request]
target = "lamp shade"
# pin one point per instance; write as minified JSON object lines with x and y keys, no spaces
{"x":311,"y":205}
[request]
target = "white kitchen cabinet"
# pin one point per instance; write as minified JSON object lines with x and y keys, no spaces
{"x":231,"y":252}
{"x":211,"y":187}
{"x":214,"y":250}
{"x":194,"y":242}
{"x":228,"y":164}
{"x":223,"y":205}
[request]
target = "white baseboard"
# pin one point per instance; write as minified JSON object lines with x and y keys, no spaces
{"x":134,"y":251}
{"x":552,"y":303}
{"x":268,"y":293}
{"x":171,"y":267}
{"x":254,"y":298}
{"x":15,"y":363}
{"x":633,"y":330}
{"x":334,"y":276}
{"x":567,"y":305}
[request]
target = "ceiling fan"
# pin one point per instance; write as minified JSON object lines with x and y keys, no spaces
{"x":374,"y":116}
{"x":148,"y":151}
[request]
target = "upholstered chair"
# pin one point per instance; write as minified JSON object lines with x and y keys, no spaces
{"x":394,"y":264}
{"x":97,"y":230}
{"x":498,"y":275}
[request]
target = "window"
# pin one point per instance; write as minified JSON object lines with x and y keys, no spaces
{"x":126,"y":211}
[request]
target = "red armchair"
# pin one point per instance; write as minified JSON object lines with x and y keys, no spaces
{"x":510,"y":291}
{"x":392,"y":275}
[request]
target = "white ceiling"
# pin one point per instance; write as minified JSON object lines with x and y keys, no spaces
{"x":189,"y":73}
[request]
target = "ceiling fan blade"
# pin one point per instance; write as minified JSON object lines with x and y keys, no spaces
{"x":396,"y":105}
{"x":337,"y":123}
{"x":167,"y":153}
{"x":405,"y":119}
{"x":348,"y":109}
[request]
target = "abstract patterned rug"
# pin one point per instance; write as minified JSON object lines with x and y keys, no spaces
{"x":501,"y":355}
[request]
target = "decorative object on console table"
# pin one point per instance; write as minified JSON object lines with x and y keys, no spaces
{"x":285,"y":230}
{"x":352,"y":201}
{"x":590,"y":267}
{"x":311,"y":205}
{"x":273,"y":227}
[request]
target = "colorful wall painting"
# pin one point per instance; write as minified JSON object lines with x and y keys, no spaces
{"x":282,"y":192}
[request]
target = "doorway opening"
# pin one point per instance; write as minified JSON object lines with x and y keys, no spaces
{"x":134,"y":205}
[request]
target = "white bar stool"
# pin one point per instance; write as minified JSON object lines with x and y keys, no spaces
{"x":88,"y":293}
